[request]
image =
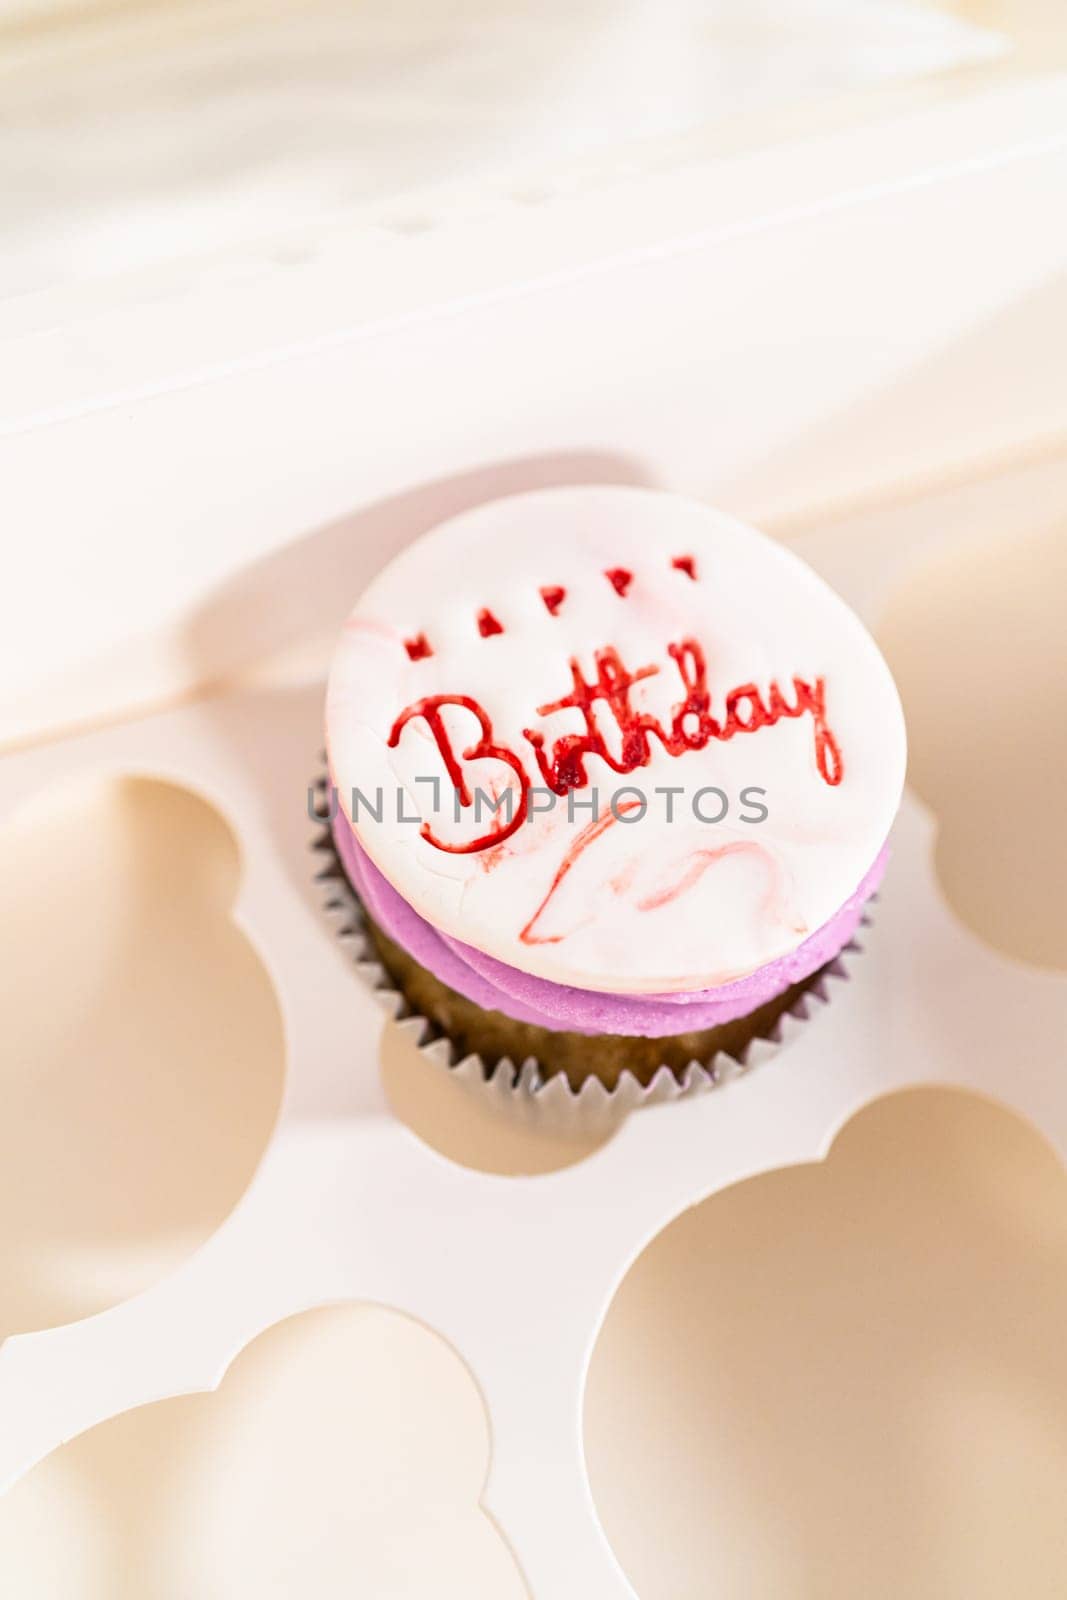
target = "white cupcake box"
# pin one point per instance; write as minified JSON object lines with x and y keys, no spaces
{"x":192,"y":490}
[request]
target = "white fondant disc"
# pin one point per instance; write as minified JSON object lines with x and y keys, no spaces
{"x":445,"y":677}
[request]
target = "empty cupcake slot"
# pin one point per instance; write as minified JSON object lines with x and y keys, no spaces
{"x":847,"y":1378}
{"x":997,"y":777}
{"x":143,"y":1065}
{"x":344,"y":1453}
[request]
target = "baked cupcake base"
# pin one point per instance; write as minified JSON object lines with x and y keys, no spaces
{"x":493,"y":1036}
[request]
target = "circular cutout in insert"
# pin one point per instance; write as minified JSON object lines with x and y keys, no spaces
{"x":989,"y":745}
{"x":847,"y":1378}
{"x":343,"y":1454}
{"x":142,"y":1066}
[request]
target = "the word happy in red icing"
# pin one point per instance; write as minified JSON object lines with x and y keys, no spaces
{"x":563,"y":765}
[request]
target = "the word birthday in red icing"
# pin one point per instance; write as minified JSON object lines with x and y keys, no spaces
{"x":563,"y":765}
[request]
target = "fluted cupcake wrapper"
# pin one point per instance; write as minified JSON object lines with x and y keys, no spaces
{"x":550,"y":1099}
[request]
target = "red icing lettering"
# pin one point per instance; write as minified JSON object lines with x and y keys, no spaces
{"x":605,"y":707}
{"x":698,"y":864}
{"x":483,"y":749}
{"x":589,"y":834}
{"x":565,"y":769}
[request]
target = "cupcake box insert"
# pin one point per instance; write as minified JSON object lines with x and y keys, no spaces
{"x":516,"y":1273}
{"x":769,"y":309}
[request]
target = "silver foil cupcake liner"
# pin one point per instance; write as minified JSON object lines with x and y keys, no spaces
{"x":523,"y":1085}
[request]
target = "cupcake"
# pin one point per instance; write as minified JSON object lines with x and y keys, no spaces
{"x":612,"y":776}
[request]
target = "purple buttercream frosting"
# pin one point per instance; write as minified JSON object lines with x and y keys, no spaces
{"x":495,"y":986}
